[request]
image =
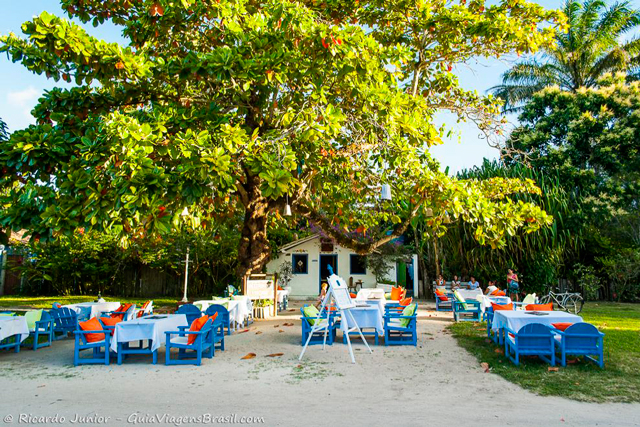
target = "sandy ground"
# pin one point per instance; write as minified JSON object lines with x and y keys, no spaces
{"x":435,"y":384}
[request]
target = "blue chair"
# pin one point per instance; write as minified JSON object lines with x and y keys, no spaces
{"x":491,"y":334}
{"x":534,"y":339}
{"x":581,"y":339}
{"x":191,"y":354}
{"x":125,"y":312}
{"x":191,"y":311}
{"x":318,"y":336}
{"x":65,"y":321}
{"x":223,"y":316}
{"x":42,"y":328}
{"x":400,"y":329}
{"x":99,"y":349}
{"x":442,"y":305}
{"x":469,"y":310}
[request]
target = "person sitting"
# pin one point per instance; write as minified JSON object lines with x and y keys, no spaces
{"x":491,"y":288}
{"x":440,"y":281}
{"x":473,"y":284}
{"x":455,"y":283}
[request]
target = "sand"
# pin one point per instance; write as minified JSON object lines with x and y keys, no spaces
{"x":435,"y":384}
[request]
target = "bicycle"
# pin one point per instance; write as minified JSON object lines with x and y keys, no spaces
{"x":570,"y":302}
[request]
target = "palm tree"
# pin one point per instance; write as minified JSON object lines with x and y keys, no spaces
{"x":593,"y":46}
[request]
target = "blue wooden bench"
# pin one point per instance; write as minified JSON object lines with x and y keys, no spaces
{"x":533,"y":339}
{"x":204,"y":344}
{"x":400,"y":328}
{"x":191,"y":311}
{"x":223,"y":316}
{"x":581,"y":339}
{"x":318,"y":336}
{"x":65,"y":321}
{"x":43,"y":327}
{"x":100,"y":352}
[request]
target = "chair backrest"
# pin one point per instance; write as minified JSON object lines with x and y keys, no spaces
{"x":581,"y":336}
{"x":32,"y":316}
{"x":64,"y":317}
{"x":191,"y":311}
{"x":223,"y":313}
{"x":535,"y":335}
{"x":529,"y":299}
{"x":130,"y":313}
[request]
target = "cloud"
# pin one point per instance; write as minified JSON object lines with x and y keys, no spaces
{"x":23,"y":98}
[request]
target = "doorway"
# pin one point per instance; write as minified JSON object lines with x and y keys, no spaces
{"x":325,"y":262}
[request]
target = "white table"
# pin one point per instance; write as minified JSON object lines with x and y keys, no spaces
{"x":150,"y":328}
{"x":516,"y":319}
{"x":13,"y":325}
{"x":89,"y":310}
{"x":370,"y":293}
{"x":487,"y":300}
{"x":238,"y":308}
{"x":471,"y":294}
{"x":281,"y":294}
{"x":365,"y":317}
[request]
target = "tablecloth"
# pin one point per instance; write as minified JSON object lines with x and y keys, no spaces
{"x":238,"y":308}
{"x":365,"y":317}
{"x":368,"y":293}
{"x":13,"y":325}
{"x":471,"y":294}
{"x":487,"y":300}
{"x":88,"y":310}
{"x":281,"y":294}
{"x":516,"y":319}
{"x":147,"y":328}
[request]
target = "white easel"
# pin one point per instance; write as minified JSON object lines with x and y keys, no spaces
{"x":340,"y":293}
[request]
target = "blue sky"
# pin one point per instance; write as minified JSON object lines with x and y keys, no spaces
{"x":19,"y":89}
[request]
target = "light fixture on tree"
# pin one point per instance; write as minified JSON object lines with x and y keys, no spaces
{"x":287,"y":208}
{"x":184,"y":214}
{"x":385,"y":192}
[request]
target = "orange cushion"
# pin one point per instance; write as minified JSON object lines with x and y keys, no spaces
{"x":443,"y":298}
{"x":439,"y":292}
{"x":352,"y":295}
{"x":195,"y":327}
{"x":123,"y":308}
{"x":396,"y":293}
{"x":110,"y":321}
{"x":561,"y":326}
{"x":92,"y":324}
{"x":539,"y":307}
{"x":501,"y":294}
{"x":405,"y":302}
{"x":497,"y":307}
{"x":280,"y":288}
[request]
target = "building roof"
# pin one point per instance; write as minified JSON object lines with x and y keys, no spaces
{"x":298,"y":242}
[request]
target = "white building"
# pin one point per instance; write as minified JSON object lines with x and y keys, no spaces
{"x":310,"y":256}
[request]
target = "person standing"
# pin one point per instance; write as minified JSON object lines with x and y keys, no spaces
{"x":513,"y":285}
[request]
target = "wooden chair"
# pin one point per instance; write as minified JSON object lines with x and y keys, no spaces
{"x":533,"y":339}
{"x":581,"y":339}
{"x":444,"y":302}
{"x":99,"y":349}
{"x":191,"y":354}
{"x":65,"y":321}
{"x":400,"y":327}
{"x":42,"y":327}
{"x":145,"y":310}
{"x":124,"y":312}
{"x":223,"y":316}
{"x":318,"y":337}
{"x":191,"y":311}
{"x":466,"y":310}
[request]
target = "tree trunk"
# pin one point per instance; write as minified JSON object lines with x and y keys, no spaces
{"x":254,"y":249}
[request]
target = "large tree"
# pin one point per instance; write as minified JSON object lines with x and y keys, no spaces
{"x":238,"y":107}
{"x":598,"y":42}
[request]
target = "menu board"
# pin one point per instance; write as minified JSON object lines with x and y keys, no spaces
{"x":340,"y":293}
{"x":260,"y":289}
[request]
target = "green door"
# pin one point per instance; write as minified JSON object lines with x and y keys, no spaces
{"x":401,"y":273}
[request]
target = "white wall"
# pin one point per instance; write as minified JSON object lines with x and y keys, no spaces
{"x":308,"y":285}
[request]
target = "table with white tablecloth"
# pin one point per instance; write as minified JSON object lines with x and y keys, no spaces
{"x":470,"y":294}
{"x":487,"y":300}
{"x":516,"y":319}
{"x":13,"y":325}
{"x":151,"y":328}
{"x":238,"y":308}
{"x":89,"y":310}
{"x":368,"y":316}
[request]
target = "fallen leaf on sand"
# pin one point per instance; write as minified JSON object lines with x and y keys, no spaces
{"x":287,"y":324}
{"x":552,"y":369}
{"x":258,"y":333}
{"x":249,"y":356}
{"x":485,"y":366}
{"x":276,"y":326}
{"x":292,"y":309}
{"x":243,"y":331}
{"x":275,"y":355}
{"x":280,"y":330}
{"x":432,"y":338}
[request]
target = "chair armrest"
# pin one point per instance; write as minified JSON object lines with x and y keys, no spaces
{"x":183,"y":333}
{"x":182,"y":328}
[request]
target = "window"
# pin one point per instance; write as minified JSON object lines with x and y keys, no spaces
{"x":300,"y":263}
{"x":358,"y":264}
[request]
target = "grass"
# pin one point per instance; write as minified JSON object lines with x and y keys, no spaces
{"x":580,"y":380}
{"x":15,"y":301}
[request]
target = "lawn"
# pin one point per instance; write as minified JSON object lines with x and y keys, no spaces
{"x":15,"y":301}
{"x":580,"y":380}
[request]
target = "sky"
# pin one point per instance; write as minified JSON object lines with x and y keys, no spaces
{"x":20,"y":89}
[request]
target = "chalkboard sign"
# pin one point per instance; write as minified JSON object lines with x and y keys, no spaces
{"x":340,"y":292}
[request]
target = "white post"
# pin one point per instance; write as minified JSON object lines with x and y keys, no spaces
{"x":414,"y":260}
{"x":186,"y":277}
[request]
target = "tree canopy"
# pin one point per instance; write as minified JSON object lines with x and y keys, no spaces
{"x":237,"y":108}
{"x":594,"y":45}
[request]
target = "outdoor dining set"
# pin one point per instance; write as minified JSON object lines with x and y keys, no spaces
{"x":392,"y":316}
{"x":526,"y":328}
